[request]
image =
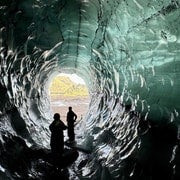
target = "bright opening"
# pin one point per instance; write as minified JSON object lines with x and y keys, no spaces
{"x":69,"y":90}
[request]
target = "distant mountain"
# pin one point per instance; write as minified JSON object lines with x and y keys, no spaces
{"x":63,"y":87}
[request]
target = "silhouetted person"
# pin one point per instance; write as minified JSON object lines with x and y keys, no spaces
{"x":71,"y":118}
{"x":57,"y":136}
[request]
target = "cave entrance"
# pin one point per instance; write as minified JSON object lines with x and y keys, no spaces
{"x":69,"y":90}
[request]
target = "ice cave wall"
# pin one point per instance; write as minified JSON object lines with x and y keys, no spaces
{"x":127,"y":52}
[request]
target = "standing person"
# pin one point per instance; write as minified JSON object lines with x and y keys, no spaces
{"x":71,"y":118}
{"x":57,"y":137}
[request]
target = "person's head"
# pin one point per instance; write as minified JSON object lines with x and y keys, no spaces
{"x":56,"y":116}
{"x":70,"y":108}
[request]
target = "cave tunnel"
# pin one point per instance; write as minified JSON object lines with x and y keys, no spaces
{"x":127,"y":52}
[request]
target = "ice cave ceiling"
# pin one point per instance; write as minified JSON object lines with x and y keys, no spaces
{"x":125,"y":48}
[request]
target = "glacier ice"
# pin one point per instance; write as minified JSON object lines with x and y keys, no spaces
{"x":127,"y":51}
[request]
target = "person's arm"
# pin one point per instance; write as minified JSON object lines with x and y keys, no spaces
{"x":51,"y":127}
{"x":63,"y":126}
{"x":75,"y":117}
{"x":67,"y":117}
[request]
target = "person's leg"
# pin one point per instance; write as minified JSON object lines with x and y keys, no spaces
{"x":71,"y":133}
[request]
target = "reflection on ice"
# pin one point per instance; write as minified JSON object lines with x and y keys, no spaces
{"x":104,"y":151}
{"x":85,"y":171}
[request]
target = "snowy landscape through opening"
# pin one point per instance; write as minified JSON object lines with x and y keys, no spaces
{"x":69,"y":90}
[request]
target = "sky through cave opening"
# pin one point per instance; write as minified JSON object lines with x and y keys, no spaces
{"x":69,"y":90}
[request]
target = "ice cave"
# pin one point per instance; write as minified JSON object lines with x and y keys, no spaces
{"x":128,"y":54}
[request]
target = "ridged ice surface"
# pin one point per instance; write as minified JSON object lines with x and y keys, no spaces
{"x":128,"y":53}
